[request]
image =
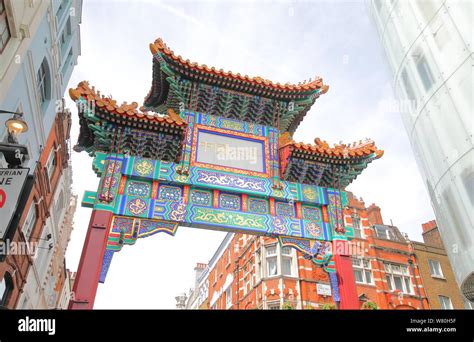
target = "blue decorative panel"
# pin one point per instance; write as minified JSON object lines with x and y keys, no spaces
{"x":139,"y":189}
{"x":108,"y":255}
{"x":143,"y":167}
{"x":122,"y":224}
{"x":170,"y":193}
{"x":285,"y":209}
{"x":257,"y":206}
{"x":202,"y":198}
{"x":312,"y":230}
{"x":229,"y":202}
{"x":312,"y":213}
{"x":334,"y":286}
{"x":231,"y":181}
{"x":137,"y":207}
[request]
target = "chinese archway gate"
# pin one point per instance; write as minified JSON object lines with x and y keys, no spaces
{"x":214,"y":150}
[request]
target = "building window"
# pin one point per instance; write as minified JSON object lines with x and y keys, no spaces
{"x":384,"y":232}
{"x":279,"y":261}
{"x":445,"y":303}
{"x":356,"y":226}
{"x":286,"y":261}
{"x":43,"y":82}
{"x":247,"y":277}
{"x":228,"y":297}
{"x":425,"y":73}
{"x":435,"y":268}
{"x":51,"y":164}
{"x":6,"y":286}
{"x":30,"y":221}
{"x":272,"y":261}
{"x":4,"y":29}
{"x":398,"y":278}
{"x":273,"y":306}
{"x":362,"y":270}
{"x":407,"y":85}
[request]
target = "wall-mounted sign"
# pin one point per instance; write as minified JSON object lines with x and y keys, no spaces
{"x":11,"y":185}
{"x":323,"y":289}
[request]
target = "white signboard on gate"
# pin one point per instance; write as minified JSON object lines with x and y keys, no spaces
{"x":323,"y":289}
{"x":11,"y":185}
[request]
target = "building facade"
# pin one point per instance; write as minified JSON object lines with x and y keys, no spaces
{"x":391,"y":272}
{"x":429,"y":48}
{"x":436,"y":271}
{"x":39,"y":46}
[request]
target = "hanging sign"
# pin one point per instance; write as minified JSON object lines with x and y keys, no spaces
{"x":11,"y":185}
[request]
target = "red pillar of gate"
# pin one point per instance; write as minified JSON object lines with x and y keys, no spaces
{"x":87,"y":276}
{"x":345,"y":276}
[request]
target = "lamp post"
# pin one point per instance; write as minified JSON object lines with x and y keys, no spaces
{"x":13,"y":152}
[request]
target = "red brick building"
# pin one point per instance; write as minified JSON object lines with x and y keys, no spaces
{"x":40,"y":203}
{"x":252,"y":272}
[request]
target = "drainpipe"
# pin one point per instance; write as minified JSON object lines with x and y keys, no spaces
{"x":412,"y":267}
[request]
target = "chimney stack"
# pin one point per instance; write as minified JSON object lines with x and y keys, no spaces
{"x":374,"y":215}
{"x":431,"y":235}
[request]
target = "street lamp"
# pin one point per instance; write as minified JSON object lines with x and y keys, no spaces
{"x":14,"y":153}
{"x":15,"y":125}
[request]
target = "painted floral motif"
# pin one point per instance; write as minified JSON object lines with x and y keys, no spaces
{"x":285,"y":209}
{"x":238,"y":182}
{"x":139,"y":189}
{"x":170,"y":193}
{"x":114,"y":164}
{"x":310,"y":193}
{"x":178,"y":211}
{"x":201,"y":198}
{"x":335,"y":213}
{"x":279,"y":226}
{"x":137,"y":206}
{"x":310,"y":248}
{"x":182,"y":177}
{"x":233,"y":125}
{"x":143,"y":167}
{"x":229,"y":202}
{"x":106,"y":183}
{"x":229,"y":219}
{"x":149,"y":227}
{"x":257,"y":206}
{"x":313,"y":229}
{"x":311,"y":213}
{"x":122,"y":224}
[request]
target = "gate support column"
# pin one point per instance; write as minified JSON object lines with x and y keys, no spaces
{"x":345,"y":275}
{"x":87,"y":276}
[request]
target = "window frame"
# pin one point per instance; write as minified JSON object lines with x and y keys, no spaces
{"x":279,"y":256}
{"x":8,"y":288}
{"x":4,"y":17}
{"x":356,"y":218}
{"x":403,"y":274}
{"x":51,"y":164}
{"x":28,"y":221}
{"x":431,"y":264}
{"x":363,"y":266}
{"x":228,"y":297}
{"x":442,"y":303}
{"x":423,"y":69}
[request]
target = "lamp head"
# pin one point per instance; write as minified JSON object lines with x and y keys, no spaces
{"x":16,"y":125}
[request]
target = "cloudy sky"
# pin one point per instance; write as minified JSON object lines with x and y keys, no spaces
{"x":279,"y":40}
